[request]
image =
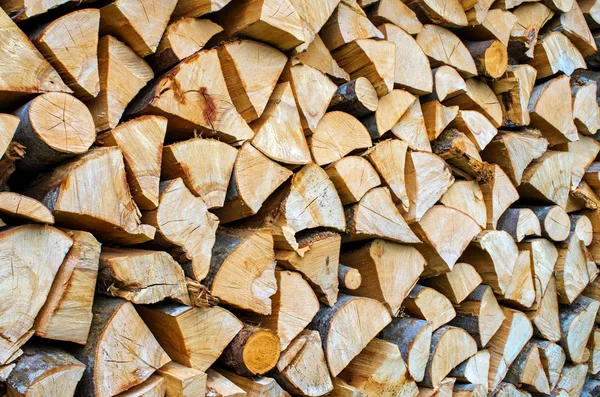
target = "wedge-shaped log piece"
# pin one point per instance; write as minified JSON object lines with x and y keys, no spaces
{"x":220,"y":385}
{"x":520,"y":223}
{"x":445,"y":388}
{"x":412,"y":71}
{"x":498,"y":194}
{"x":305,"y":373}
{"x":530,"y":20}
{"x":467,"y":197}
{"x":313,"y":15}
{"x":318,"y":56}
{"x":141,"y":141}
{"x":554,"y":221}
{"x":337,"y":135}
{"x":253,"y":351}
{"x":181,"y":39}
{"x":553,"y":359}
{"x":590,"y":10}
{"x":427,"y":179}
{"x":545,"y":318}
{"x":581,"y":198}
{"x":551,"y":110}
{"x":527,"y":371}
{"x":496,"y":24}
{"x":480,"y":315}
{"x":254,"y":178}
{"x":475,"y":126}
{"x":476,"y":11}
{"x":571,"y":271}
{"x":232,"y":280}
{"x":208,"y":180}
{"x":197,"y":8}
{"x":18,"y":208}
{"x":347,"y":327}
{"x":447,"y":83}
{"x":313,"y":92}
{"x":122,"y":75}
{"x":184,"y":225}
{"x":581,"y":228}
{"x":193,"y":96}
{"x":474,"y":370}
{"x":271,"y":21}
{"x":437,"y":43}
{"x":91,"y":193}
{"x":278,"y":132}
{"x":412,"y":129}
{"x":572,"y":24}
{"x":70,"y":44}
{"x":576,"y":321}
{"x":450,"y":346}
{"x":513,"y":151}
{"x":572,"y":379}
{"x":45,"y":371}
{"x":584,"y":150}
{"x":389,"y":159}
{"x":343,"y":175}
{"x":154,"y":386}
{"x":54,"y":127}
{"x":494,"y":254}
{"x":445,"y":13}
{"x":376,"y":216}
{"x":441,"y":251}
{"x":319,"y":265}
{"x":460,"y":153}
{"x":14,"y":152}
{"x":384,"y":277}
{"x":413,"y":338}
{"x":390,"y":110}
{"x":375,"y":60}
{"x":240,"y":61}
{"x":513,"y":91}
{"x":457,"y":284}
{"x":490,"y":56}
{"x":520,"y":291}
{"x":480,"y":97}
{"x":357,"y":97}
{"x":430,"y":305}
{"x":437,"y":117}
{"x":257,"y":386}
{"x":36,"y":75}
{"x":506,"y":344}
{"x":141,"y":276}
{"x":594,"y":348}
{"x":586,"y":111}
{"x":183,"y":381}
{"x":394,"y":12}
{"x":31,"y":256}
{"x":8,"y":126}
{"x":67,"y":312}
{"x":594,"y":246}
{"x":555,"y":53}
{"x":139,"y":23}
{"x":346,"y":25}
{"x":121,"y":351}
{"x":548,"y":178}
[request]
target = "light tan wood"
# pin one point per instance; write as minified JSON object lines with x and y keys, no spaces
{"x":349,"y":278}
{"x":219,"y":385}
{"x":577,"y":321}
{"x":572,"y":379}
{"x":130,"y":352}
{"x":182,"y":381}
{"x":448,"y":14}
{"x":389,"y":158}
{"x":594,"y":346}
{"x":412,"y":129}
{"x":430,"y":305}
{"x":467,"y":197}
{"x":189,"y":238}
{"x":390,"y":110}
{"x":480,"y":97}
{"x":571,"y":271}
{"x":530,"y":20}
{"x":474,"y":370}
{"x":520,"y":292}
{"x":444,"y":389}
{"x":437,"y":117}
{"x":197,"y":8}
{"x":584,"y":149}
{"x":497,"y":24}
{"x":554,"y":221}
{"x":345,"y":26}
{"x":253,"y":351}
{"x":572,"y":24}
{"x":394,"y":12}
{"x":490,"y":56}
{"x":498,"y":194}
{"x":527,"y":371}
{"x":586,"y":111}
{"x":447,"y":83}
{"x":357,"y":97}
{"x":122,"y":75}
{"x":543,"y":181}
{"x":258,"y":386}
{"x":343,"y":175}
{"x":154,"y":386}
{"x":313,"y":15}
{"x":553,"y":359}
{"x":520,"y":223}
{"x":318,"y":56}
{"x":556,"y":53}
{"x":513,"y":91}
{"x":437,"y":43}
{"x":383,"y":277}
{"x":457,"y":284}
{"x":477,"y":13}
{"x":456,"y":149}
{"x":17,"y":207}
{"x":475,"y":126}
{"x":582,"y":229}
{"x":469,"y":390}
{"x":8,"y":126}
{"x":545,"y":318}
{"x":582,"y":197}
{"x":141,"y":141}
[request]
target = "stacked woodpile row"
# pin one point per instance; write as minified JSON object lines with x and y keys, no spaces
{"x":299,"y":197}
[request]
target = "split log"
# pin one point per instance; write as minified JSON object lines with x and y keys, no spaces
{"x":75,"y":58}
{"x":440,"y":250}
{"x":530,"y":20}
{"x":313,"y":15}
{"x":590,"y":9}
{"x":139,"y":26}
{"x":513,"y":151}
{"x":233,"y":280}
{"x":430,"y":305}
{"x":586,"y":112}
{"x":582,"y":229}
{"x":122,"y":75}
{"x":154,"y":386}
{"x":593,"y":346}
{"x":497,"y":24}
{"x":450,"y":346}
{"x":182,"y":381}
{"x":457,"y":284}
{"x":545,"y":318}
{"x":189,"y":238}
{"x":437,"y":43}
{"x":375,"y":216}
{"x":474,"y":370}
{"x":185,"y":160}
{"x":16,"y":208}
{"x":437,"y":117}
{"x":389,"y":159}
{"x":577,"y":321}
{"x":217,"y":384}
{"x":319,"y":265}
{"x":182,"y":39}
{"x":343,"y":175}
{"x":469,"y":390}
{"x":572,"y":379}
{"x":475,"y":126}
{"x":447,"y":83}
{"x":369,"y":58}
{"x":240,"y":61}
{"x":459,"y":152}
{"x":345,"y":26}
{"x":258,"y":386}
{"x":412,"y":71}
{"x":141,"y":277}
{"x":197,"y":8}
{"x":337,"y":135}
{"x":38,"y":77}
{"x":130,"y":353}
{"x":357,"y":97}
{"x":44,"y":371}
{"x":520,"y":223}
{"x":490,"y":56}
{"x":555,"y":53}
{"x":548,"y":178}
{"x":389,"y":112}
{"x":342,"y":389}
{"x":480,"y":315}
{"x":551,"y":110}
{"x":337,"y":326}
{"x":349,"y":278}
{"x":445,"y":13}
{"x":477,"y":12}
{"x":571,"y":271}
{"x":573,"y":25}
{"x":581,"y":198}
{"x":384,"y":277}
{"x":253,"y":351}
{"x":412,"y":129}
{"x":554,"y":221}
{"x":394,"y":12}
{"x":553,"y":359}
{"x":559,"y":5}
{"x":191,"y":336}
{"x":318,"y":56}
{"x":514,"y":91}
{"x":67,"y":312}
{"x":379,"y":370}
{"x":413,"y":338}
{"x":584,"y":149}
{"x":253,"y":180}
{"x":306,"y":374}
{"x":48,"y":142}
{"x":527,"y":372}
{"x":141,"y":141}
{"x":520,"y":291}
{"x":508,"y":390}
{"x":445,"y":388}
{"x":479,"y":97}
{"x":466,"y":196}
{"x":8,"y":126}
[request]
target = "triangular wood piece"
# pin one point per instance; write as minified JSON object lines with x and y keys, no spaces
{"x":475,"y":126}
{"x":278,"y":132}
{"x":318,"y":56}
{"x":197,"y":8}
{"x":530,"y":20}
{"x":313,"y":14}
{"x":390,"y":109}
{"x":467,"y":197}
{"x":18,"y":207}
{"x":437,"y":117}
{"x":513,"y":91}
{"x":8,"y":126}
{"x":540,"y":181}
{"x":573,"y":25}
{"x":585,"y":105}
{"x":527,"y":371}
{"x":545,"y":318}
{"x":520,"y":292}
{"x":394,"y":12}
{"x":444,"y":48}
{"x":555,"y":53}
{"x":241,"y":61}
{"x":388,"y":158}
{"x":70,"y":44}
{"x":520,"y":223}
{"x":430,"y":305}
{"x":584,"y":149}
{"x":457,"y":284}
{"x":479,"y":97}
{"x":345,"y":26}
{"x":498,"y":193}
{"x":412,"y":129}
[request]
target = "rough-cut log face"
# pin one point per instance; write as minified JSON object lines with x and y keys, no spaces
{"x":437,"y":43}
{"x":466,"y":196}
{"x":8,"y":126}
{"x":457,"y":284}
{"x":343,"y":175}
{"x":480,"y":97}
{"x":195,"y":8}
{"x":318,"y":56}
{"x":19,"y":207}
{"x":345,"y":26}
{"x":428,"y":304}
{"x":313,"y":15}
{"x":576,"y":323}
{"x":388,"y":158}
{"x":548,"y":178}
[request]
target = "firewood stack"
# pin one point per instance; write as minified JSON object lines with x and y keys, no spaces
{"x":299,"y":197}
